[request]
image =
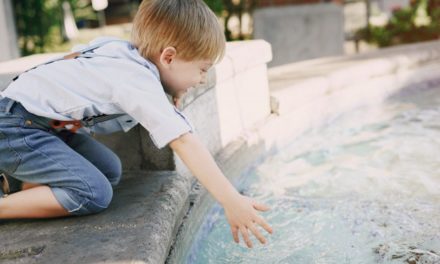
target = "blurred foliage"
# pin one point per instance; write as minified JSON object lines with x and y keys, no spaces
{"x":403,"y":27}
{"x":215,"y":5}
{"x":39,"y":23}
{"x":226,"y":9}
{"x":36,"y":20}
{"x":237,"y":8}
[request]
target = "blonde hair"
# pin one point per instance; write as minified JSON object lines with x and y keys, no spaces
{"x":187,"y":25}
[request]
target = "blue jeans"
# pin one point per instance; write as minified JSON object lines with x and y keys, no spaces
{"x":79,"y":170}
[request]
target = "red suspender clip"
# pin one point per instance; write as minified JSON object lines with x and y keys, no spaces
{"x":72,"y":126}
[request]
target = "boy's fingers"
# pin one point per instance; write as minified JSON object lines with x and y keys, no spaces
{"x":264,"y":225}
{"x":245,"y":235}
{"x":257,"y":234}
{"x":234,"y":231}
{"x":261,"y":207}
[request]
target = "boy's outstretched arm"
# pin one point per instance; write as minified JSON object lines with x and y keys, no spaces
{"x":241,"y":211}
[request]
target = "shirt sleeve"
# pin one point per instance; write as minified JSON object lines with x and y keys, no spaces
{"x":142,"y":96}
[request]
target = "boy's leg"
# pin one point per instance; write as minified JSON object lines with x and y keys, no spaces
{"x":37,"y":202}
{"x":28,"y":185}
{"x":97,"y":153}
{"x":75,"y":184}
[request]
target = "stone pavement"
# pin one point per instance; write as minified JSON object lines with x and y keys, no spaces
{"x":136,"y":228}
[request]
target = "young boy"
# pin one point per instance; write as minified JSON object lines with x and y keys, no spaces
{"x":61,"y":172}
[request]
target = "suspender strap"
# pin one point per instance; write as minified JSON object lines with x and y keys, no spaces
{"x":74,"y":125}
{"x":91,"y":121}
{"x":74,"y":55}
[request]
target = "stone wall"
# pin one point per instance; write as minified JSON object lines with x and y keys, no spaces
{"x":301,"y":32}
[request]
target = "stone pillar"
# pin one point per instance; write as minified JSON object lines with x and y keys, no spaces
{"x":8,"y":36}
{"x":301,"y":32}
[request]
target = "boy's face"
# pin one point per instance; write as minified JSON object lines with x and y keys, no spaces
{"x":177,"y":75}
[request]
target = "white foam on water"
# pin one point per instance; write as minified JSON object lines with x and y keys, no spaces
{"x":364,"y":188}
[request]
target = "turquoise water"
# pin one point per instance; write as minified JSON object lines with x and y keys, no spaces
{"x":363,"y":188}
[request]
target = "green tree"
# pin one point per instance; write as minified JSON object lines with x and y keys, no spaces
{"x":229,"y":8}
{"x":35,"y":21}
{"x":39,"y":22}
{"x":215,"y":5}
{"x":402,"y":27}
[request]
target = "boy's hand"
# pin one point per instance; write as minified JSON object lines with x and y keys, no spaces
{"x":242,"y":216}
{"x":241,"y":211}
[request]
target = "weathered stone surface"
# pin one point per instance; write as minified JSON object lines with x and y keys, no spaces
{"x":138,"y":227}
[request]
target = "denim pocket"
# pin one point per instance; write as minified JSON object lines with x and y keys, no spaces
{"x":10,"y":120}
{"x":9,"y":158}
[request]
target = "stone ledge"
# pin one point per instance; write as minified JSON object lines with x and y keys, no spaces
{"x":138,"y":227}
{"x":241,"y":56}
{"x":295,"y":84}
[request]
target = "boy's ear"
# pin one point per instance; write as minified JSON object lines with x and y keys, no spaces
{"x":167,"y":56}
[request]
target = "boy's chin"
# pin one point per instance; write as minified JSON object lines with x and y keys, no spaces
{"x":176,"y":94}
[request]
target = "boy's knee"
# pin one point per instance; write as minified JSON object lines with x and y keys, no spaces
{"x":94,"y":201}
{"x":101,"y":199}
{"x":115,"y":174}
{"x":113,"y":170}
